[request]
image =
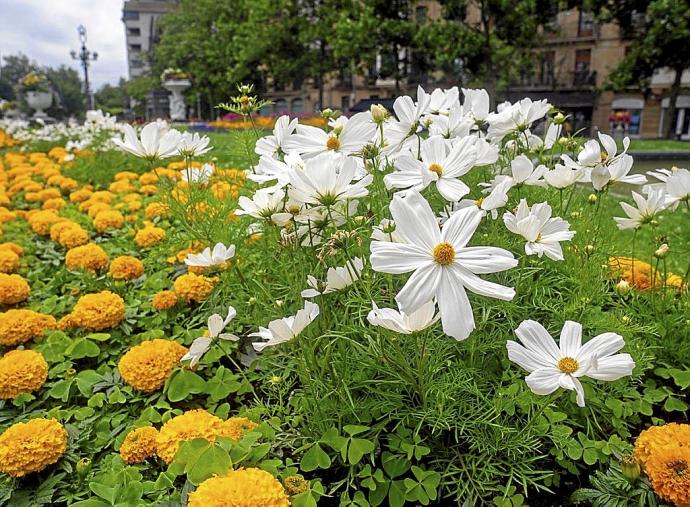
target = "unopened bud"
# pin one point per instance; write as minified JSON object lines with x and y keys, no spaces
{"x":280,"y":303}
{"x":662,"y":251}
{"x":630,"y":467}
{"x":83,"y":467}
{"x":623,"y":288}
{"x":592,"y":199}
{"x":559,"y":118}
{"x":251,"y":301}
{"x":379,"y":113}
{"x":625,"y":319}
{"x":589,"y":249}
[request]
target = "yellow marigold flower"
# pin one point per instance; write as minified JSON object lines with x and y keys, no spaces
{"x":121,"y":187}
{"x":102,"y":196}
{"x":56,"y":203}
{"x":188,"y":426}
{"x":89,"y":257}
{"x":95,"y":208}
{"x":31,"y":446}
{"x":81,"y":195}
{"x":295,"y":484}
{"x":48,"y":194}
{"x":13,"y":289}
{"x":192,"y":287}
{"x":72,"y":236}
{"x":147,"y":366}
{"x":164,"y":300}
{"x":668,"y":469}
{"x":41,"y":221}
{"x":68,"y":184}
{"x":245,"y":487}
{"x":641,"y":275}
{"x":12,"y":247}
{"x":148,"y":178}
{"x":148,"y":189}
{"x":235,"y":427}
{"x":21,"y":371}
{"x":149,"y":236}
{"x":126,"y":175}
{"x":655,"y":437}
{"x":6,"y":215}
{"x":156,"y":209}
{"x":138,"y":445}
{"x":96,"y":312}
{"x":9,"y":261}
{"x":126,"y":267}
{"x":20,"y":326}
{"x":108,"y":219}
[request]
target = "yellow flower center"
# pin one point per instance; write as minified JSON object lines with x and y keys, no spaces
{"x":568,"y":365}
{"x":478,"y":202}
{"x":604,"y":155}
{"x":333,"y":143}
{"x":435,"y":168}
{"x":444,"y":253}
{"x":293,"y":209}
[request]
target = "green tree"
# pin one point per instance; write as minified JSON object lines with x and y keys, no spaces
{"x":67,"y":87}
{"x":113,"y":99}
{"x":661,"y":31}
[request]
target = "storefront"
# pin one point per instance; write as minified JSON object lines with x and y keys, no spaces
{"x":681,"y":121}
{"x":626,"y":115}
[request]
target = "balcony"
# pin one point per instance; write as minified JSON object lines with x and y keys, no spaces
{"x":573,"y":80}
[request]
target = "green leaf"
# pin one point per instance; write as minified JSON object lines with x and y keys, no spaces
{"x":183,"y":383}
{"x":201,"y":459}
{"x":86,"y":380}
{"x":315,"y":458}
{"x":99,"y":337}
{"x":396,"y":494}
{"x":674,"y":404}
{"x":336,"y":442}
{"x":681,"y":377}
{"x":591,"y":456}
{"x":358,"y":448}
{"x":394,"y":465}
{"x":354,"y":429}
{"x":103,"y":491}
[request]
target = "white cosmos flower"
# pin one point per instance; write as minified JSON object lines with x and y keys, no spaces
{"x":542,"y":232}
{"x":208,"y":257}
{"x":336,"y":279}
{"x":516,"y":117}
{"x":562,"y":177}
{"x":441,"y":263}
{"x":551,"y":366}
{"x":274,"y":145}
{"x":497,"y":198}
{"x":200,"y":346}
{"x":385,"y":231}
{"x":616,"y":172}
{"x":438,"y":165}
{"x":400,"y":322}
{"x":285,"y":329}
{"x":198,"y":174}
{"x":522,"y":173}
{"x":327,"y":180}
{"x":193,"y":145}
{"x":408,"y":123}
{"x":348,"y":137}
{"x":645,"y":211}
{"x":441,"y":101}
{"x":476,"y":104}
{"x":553,"y":133}
{"x":678,"y":188}
{"x":156,"y":141}
{"x":264,"y":204}
{"x":453,"y":125}
{"x":592,"y":157}
{"x":271,"y":169}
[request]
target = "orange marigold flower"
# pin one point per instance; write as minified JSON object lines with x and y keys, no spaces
{"x":655,"y":437}
{"x":156,"y":209}
{"x":245,"y":487}
{"x":21,"y":371}
{"x":108,"y":219}
{"x":13,"y":289}
{"x":55,"y":204}
{"x":235,"y":427}
{"x":90,"y":257}
{"x":9,"y":261}
{"x":193,"y":287}
{"x":96,"y":312}
{"x":13,"y":247}
{"x":126,"y":267}
{"x":164,"y":300}
{"x":41,"y":221}
{"x":149,"y":236}
{"x":20,"y":325}
{"x":188,"y":426}
{"x":80,"y":195}
{"x":668,"y":469}
{"x":28,"y":447}
{"x":139,"y":444}
{"x":641,"y":275}
{"x":147,"y":366}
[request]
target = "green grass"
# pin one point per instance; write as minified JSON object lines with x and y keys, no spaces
{"x":658,"y":145}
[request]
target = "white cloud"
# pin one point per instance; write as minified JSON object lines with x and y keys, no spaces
{"x":46,"y":31}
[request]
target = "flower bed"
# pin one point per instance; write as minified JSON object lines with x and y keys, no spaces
{"x":435,"y":309}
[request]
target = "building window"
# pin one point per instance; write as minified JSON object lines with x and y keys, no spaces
{"x":280,"y":106}
{"x":135,"y":47}
{"x":130,"y":15}
{"x":681,"y":121}
{"x":547,"y":67}
{"x":345,"y":103}
{"x":420,"y":14}
{"x":297,"y":105}
{"x":585,"y":27}
{"x":134,"y":32}
{"x":626,"y":115}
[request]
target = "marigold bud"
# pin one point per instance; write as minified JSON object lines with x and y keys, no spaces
{"x":630,"y":467}
{"x":83,"y":467}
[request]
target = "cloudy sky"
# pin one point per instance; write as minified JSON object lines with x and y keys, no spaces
{"x":46,"y":31}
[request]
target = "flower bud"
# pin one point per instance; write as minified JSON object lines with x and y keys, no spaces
{"x":83,"y":467}
{"x":379,"y":113}
{"x":630,"y":467}
{"x":559,"y":118}
{"x":589,"y":249}
{"x":280,"y":303}
{"x":662,"y":251}
{"x":625,"y":319}
{"x":623,"y":288}
{"x":592,"y":199}
{"x":252,"y":301}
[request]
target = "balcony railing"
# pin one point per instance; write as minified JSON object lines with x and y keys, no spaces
{"x":580,"y":80}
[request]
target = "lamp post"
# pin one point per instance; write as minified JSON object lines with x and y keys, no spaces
{"x":85,"y":56}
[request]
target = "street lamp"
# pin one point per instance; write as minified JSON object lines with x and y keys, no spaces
{"x":85,"y":56}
